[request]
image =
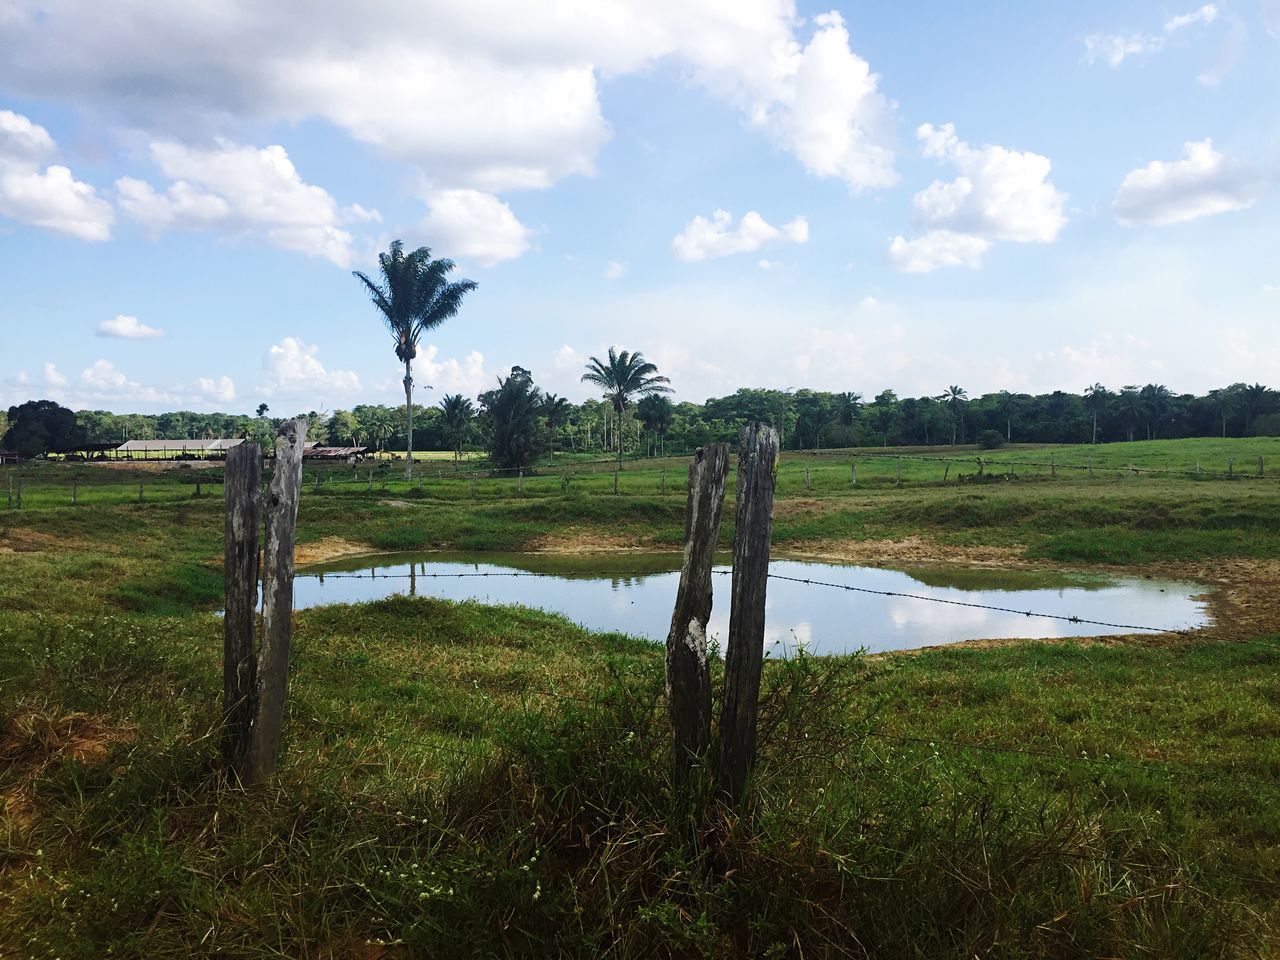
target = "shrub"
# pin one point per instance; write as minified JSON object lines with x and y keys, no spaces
{"x":990,"y":439}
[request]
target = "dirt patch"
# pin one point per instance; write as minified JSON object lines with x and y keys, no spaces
{"x":330,"y":548}
{"x":586,"y":541}
{"x":398,"y":504}
{"x":31,"y":742}
{"x":912,"y":550}
{"x":26,"y":541}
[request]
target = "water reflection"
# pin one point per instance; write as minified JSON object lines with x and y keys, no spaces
{"x":633,"y":594}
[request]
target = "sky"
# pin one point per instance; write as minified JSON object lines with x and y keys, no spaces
{"x":755,"y":193}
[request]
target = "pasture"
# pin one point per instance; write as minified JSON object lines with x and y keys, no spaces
{"x":467,"y":780}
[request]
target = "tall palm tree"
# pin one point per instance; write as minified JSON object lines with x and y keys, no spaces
{"x":1158,"y":399}
{"x":1007,"y":405}
{"x":1255,"y":399}
{"x":624,"y":377}
{"x":1133,"y":407}
{"x":458,"y":414}
{"x":555,"y":410}
{"x":415,"y":295}
{"x":954,"y":397}
{"x":1096,"y":398}
{"x":1225,"y":402}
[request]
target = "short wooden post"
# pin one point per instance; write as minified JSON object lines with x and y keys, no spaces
{"x":853,"y":473}
{"x":981,"y":466}
{"x":10,"y":503}
{"x":139,"y":493}
{"x":1053,"y":466}
{"x":946,"y":471}
{"x":520,"y":482}
{"x":688,"y":676}
{"x":371,"y":480}
{"x":1197,"y":468}
{"x":277,"y":603}
{"x":19,"y":493}
{"x":899,"y":482}
{"x":662,"y":486}
{"x":744,"y":655}
{"x":75,"y":493}
{"x":199,"y":490}
{"x":241,"y":484}
{"x":808,"y":483}
{"x":564,"y":482}
{"x":1231,"y":467}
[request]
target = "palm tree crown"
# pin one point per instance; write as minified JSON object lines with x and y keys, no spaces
{"x":623,"y":377}
{"x":415,"y":295}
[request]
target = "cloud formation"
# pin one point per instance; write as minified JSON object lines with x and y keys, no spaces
{"x":49,"y":197}
{"x":291,"y":368}
{"x":475,"y":225}
{"x":127,"y":327}
{"x":489,"y":95}
{"x":1203,"y":182}
{"x":1000,"y":194}
{"x":1114,"y":48}
{"x":704,"y":239}
{"x":246,"y":190}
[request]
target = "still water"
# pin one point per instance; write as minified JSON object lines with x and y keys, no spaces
{"x":634,"y":594}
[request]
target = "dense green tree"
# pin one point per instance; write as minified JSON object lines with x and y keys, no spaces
{"x":623,"y":377}
{"x":39,"y":427}
{"x":954,"y":399}
{"x":656,"y":413}
{"x":555,"y":411}
{"x":414,"y":296}
{"x":514,"y":415}
{"x":1096,"y":399}
{"x":458,"y":416}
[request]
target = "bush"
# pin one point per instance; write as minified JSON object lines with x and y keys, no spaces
{"x":990,"y":439}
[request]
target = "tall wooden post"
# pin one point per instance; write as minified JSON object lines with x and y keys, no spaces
{"x":744,"y":656}
{"x":277,"y":603}
{"x":853,"y":473}
{"x":688,"y":677}
{"x":242,"y":480}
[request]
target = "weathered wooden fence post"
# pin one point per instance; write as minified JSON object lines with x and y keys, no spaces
{"x":277,"y":604}
{"x":946,"y":471}
{"x":899,"y":482}
{"x":1231,"y":467}
{"x":520,"y":482}
{"x":473,"y":488}
{"x":139,"y":492}
{"x":371,"y":480}
{"x":981,"y":466}
{"x":242,"y":480}
{"x":19,"y":493}
{"x":564,"y":482}
{"x":10,"y":504}
{"x":853,"y":473}
{"x":688,"y":676}
{"x":75,"y":493}
{"x":662,"y":487}
{"x":744,"y":655}
{"x":1053,"y":465}
{"x":808,"y":483}
{"x":199,"y":489}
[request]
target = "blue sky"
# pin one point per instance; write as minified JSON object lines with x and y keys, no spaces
{"x":1016,"y":196}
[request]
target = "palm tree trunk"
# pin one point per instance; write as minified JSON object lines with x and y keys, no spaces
{"x":618,"y":436}
{"x":1008,"y":437}
{"x":1095,"y":426}
{"x":408,"y":405}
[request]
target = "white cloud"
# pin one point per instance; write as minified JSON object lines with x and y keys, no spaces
{"x":615,"y":270}
{"x":50,"y":198}
{"x":1001,"y":194}
{"x":243,"y":189}
{"x":467,"y":376}
{"x":1114,"y":48}
{"x":830,"y":112}
{"x":703,"y":239}
{"x":1203,"y":182}
{"x":219,"y":390}
{"x":52,"y":378}
{"x":291,"y":368}
{"x":768,"y":264}
{"x":471,"y":224}
{"x":1206,"y":14}
{"x":489,"y":95}
{"x":937,"y":248}
{"x":127,"y":327}
{"x":868,"y":303}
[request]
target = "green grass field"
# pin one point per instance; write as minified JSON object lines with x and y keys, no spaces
{"x":463,"y":780}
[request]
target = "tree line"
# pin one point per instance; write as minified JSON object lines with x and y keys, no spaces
{"x":517,"y":423}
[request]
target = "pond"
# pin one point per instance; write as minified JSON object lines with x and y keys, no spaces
{"x":633,"y":593}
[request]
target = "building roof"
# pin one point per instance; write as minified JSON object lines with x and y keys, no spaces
{"x":177,"y":446}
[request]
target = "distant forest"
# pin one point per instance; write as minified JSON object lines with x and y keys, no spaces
{"x":807,"y":419}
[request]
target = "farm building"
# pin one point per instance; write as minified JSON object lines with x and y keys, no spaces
{"x":175,"y":449}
